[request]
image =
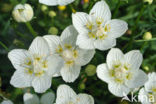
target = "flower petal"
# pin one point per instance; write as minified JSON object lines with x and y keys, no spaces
{"x":53,"y":42}
{"x":139,"y":79}
{"x":7,"y":102}
{"x":143,"y":96}
{"x":84,"y":56}
{"x":18,"y":58}
{"x":85,"y":99}
{"x":85,"y":42}
{"x":64,"y":93}
{"x":21,"y":79}
{"x":65,"y":2}
{"x":49,"y":2}
{"x":30,"y":98}
{"x":103,"y":73}
{"x":41,"y":83}
{"x":113,"y":56}
{"x":117,"y":28}
{"x":69,"y":35}
{"x":134,"y":58}
{"x":105,"y":44}
{"x":39,"y":46}
{"x":55,"y":63}
{"x":80,"y":20}
{"x":101,"y":10}
{"x":70,"y":73}
{"x":48,"y":98}
{"x":118,"y":90}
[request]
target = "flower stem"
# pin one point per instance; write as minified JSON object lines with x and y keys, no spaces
{"x":31,"y":29}
{"x":153,"y":39}
{"x":4,"y":46}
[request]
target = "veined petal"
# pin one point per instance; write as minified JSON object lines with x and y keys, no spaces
{"x":118,"y":90}
{"x":55,"y":63}
{"x":70,"y":73}
{"x":69,"y":35}
{"x":84,"y":56}
{"x":49,"y":2}
{"x":103,"y":73}
{"x":151,"y":82}
{"x":134,"y":58}
{"x":48,"y":98}
{"x":65,"y":2}
{"x":84,"y":42}
{"x":85,"y":99}
{"x":105,"y":44}
{"x":64,"y":93}
{"x":115,"y":55}
{"x":18,"y":57}
{"x":7,"y":102}
{"x":53,"y":42}
{"x":117,"y":28}
{"x":41,"y":83}
{"x":39,"y":46}
{"x":21,"y":79}
{"x":143,"y":96}
{"x":80,"y":21}
{"x":30,"y":98}
{"x":101,"y":10}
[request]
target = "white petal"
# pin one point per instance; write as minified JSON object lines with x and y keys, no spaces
{"x":143,"y":96}
{"x":103,"y":73}
{"x":30,"y":98}
{"x":101,"y":10}
{"x":64,"y":93}
{"x":139,"y":79}
{"x":117,"y":28}
{"x":113,"y":56}
{"x":80,"y":20}
{"x":18,"y":58}
{"x":21,"y":79}
{"x":84,"y":56}
{"x":7,"y":102}
{"x":41,"y":83}
{"x":151,"y":82}
{"x":85,"y":99}
{"x":49,"y":2}
{"x":65,"y":2}
{"x":118,"y":90}
{"x":105,"y":44}
{"x":55,"y":63}
{"x":84,"y":42}
{"x":53,"y":42}
{"x":48,"y":98}
{"x":69,"y":35}
{"x":134,"y":58}
{"x":70,"y":73}
{"x":39,"y":46}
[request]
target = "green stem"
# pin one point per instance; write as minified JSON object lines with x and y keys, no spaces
{"x":117,"y":8}
{"x":153,"y":39}
{"x":4,"y":46}
{"x":31,"y":29}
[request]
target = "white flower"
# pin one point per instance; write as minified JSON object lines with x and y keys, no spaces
{"x":56,"y":2}
{"x":23,"y":13}
{"x":66,"y":95}
{"x":47,"y":98}
{"x":7,"y":102}
{"x":73,"y":56}
{"x":147,"y":95}
{"x":122,"y":72}
{"x":34,"y":67}
{"x":97,"y":30}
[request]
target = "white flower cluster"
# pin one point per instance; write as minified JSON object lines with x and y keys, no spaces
{"x":50,"y":56}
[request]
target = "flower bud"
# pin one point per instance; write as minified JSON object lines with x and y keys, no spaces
{"x":52,"y":14}
{"x":82,"y":86}
{"x":90,"y":70}
{"x":61,"y":8}
{"x":53,"y":31}
{"x":146,"y":68}
{"x":44,"y":8}
{"x":147,"y":36}
{"x":149,"y":1}
{"x":23,"y":13}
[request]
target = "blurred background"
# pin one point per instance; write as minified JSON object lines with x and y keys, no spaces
{"x":140,"y":15}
